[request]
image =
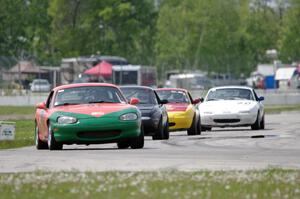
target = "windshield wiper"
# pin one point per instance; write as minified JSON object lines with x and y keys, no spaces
{"x":131,"y":94}
{"x":213,"y":99}
{"x":100,"y":101}
{"x":66,"y":103}
{"x":235,"y":98}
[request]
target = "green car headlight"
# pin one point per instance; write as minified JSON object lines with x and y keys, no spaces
{"x":128,"y":116}
{"x":66,"y":120}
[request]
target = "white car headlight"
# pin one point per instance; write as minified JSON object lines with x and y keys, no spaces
{"x":128,"y":117}
{"x":248,"y":110}
{"x":244,"y":111}
{"x":66,"y":120}
{"x":208,"y":112}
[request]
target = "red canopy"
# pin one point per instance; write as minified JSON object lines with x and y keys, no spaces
{"x":101,"y":69}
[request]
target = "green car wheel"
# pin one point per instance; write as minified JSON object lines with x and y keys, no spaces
{"x":52,"y":144}
{"x":138,"y":142}
{"x":124,"y":144}
{"x":38,"y":143}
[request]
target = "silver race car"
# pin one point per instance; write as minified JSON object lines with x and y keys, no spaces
{"x":232,"y":106}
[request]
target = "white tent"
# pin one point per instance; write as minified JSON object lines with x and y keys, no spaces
{"x":285,"y":73}
{"x":266,"y":69}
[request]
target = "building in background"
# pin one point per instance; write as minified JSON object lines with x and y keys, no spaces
{"x":24,"y":72}
{"x":72,"y":69}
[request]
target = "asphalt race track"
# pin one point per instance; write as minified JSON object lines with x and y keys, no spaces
{"x":278,"y":146}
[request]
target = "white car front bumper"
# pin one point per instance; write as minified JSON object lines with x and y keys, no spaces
{"x":228,"y":119}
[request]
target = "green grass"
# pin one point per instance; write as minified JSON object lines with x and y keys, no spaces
{"x":22,"y":110}
{"x":275,"y":184}
{"x":282,"y":108}
{"x":24,"y":135}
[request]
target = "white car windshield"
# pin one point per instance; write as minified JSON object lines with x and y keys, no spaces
{"x":229,"y":94}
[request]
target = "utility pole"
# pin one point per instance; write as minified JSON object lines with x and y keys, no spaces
{"x":273,"y":55}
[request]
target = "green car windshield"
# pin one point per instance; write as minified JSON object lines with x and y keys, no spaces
{"x":87,"y":95}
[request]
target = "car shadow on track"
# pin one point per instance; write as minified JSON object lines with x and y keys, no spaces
{"x":257,"y":136}
{"x":90,"y":149}
{"x":102,"y":149}
{"x":231,"y":129}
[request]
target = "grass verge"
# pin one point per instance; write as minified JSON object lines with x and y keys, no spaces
{"x":24,"y":135}
{"x":282,"y":108}
{"x":20,"y":110}
{"x":163,"y":184}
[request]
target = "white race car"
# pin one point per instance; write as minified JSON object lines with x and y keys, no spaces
{"x":232,"y":106}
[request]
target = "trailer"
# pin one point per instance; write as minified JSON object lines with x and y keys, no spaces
{"x":198,"y":81}
{"x":134,"y":75}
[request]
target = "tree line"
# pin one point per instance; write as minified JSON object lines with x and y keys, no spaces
{"x":221,"y":36}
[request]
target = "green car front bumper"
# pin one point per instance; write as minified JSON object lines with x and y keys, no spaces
{"x":95,"y":130}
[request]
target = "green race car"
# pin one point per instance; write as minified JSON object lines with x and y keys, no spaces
{"x":88,"y":113}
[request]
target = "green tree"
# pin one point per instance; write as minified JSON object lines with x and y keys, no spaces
{"x":261,"y":28}
{"x":114,"y":27}
{"x":173,"y":35}
{"x":24,"y":28}
{"x":199,"y":34}
{"x":67,"y":35}
{"x":290,"y":41}
{"x":222,"y":36}
{"x":13,"y":22}
{"x":38,"y":30}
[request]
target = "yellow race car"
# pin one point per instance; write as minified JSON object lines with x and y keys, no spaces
{"x":182,"y":110}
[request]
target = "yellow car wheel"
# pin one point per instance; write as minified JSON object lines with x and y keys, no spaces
{"x":193,"y":129}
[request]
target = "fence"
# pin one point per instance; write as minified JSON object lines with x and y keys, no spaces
{"x":272,"y":97}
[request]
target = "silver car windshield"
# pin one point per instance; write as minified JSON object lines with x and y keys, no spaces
{"x":230,"y":94}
